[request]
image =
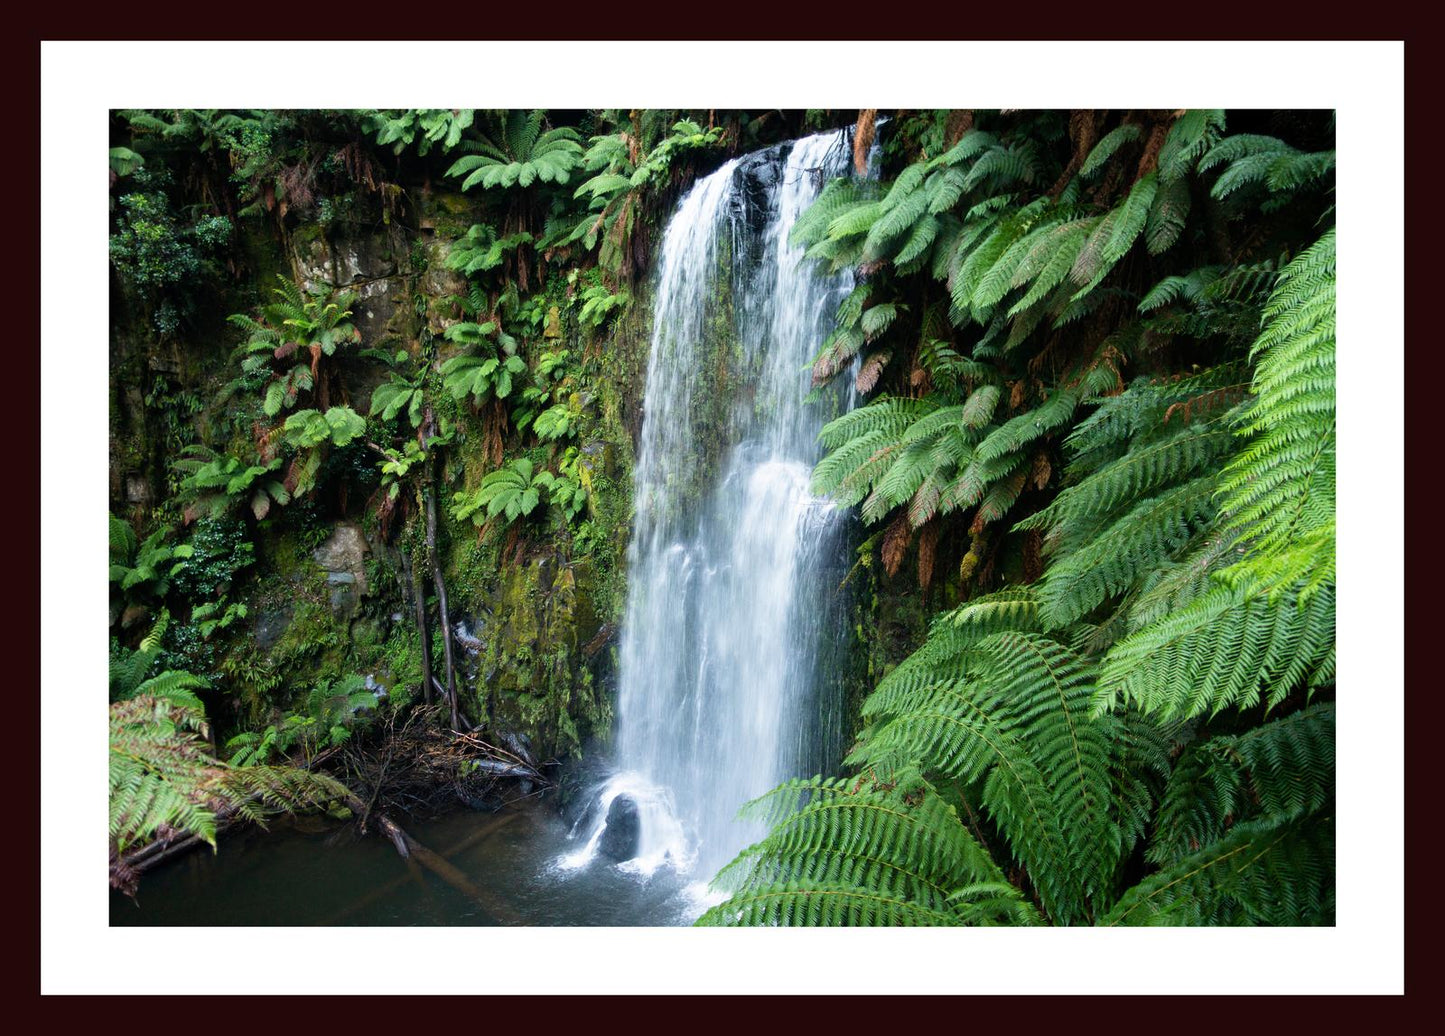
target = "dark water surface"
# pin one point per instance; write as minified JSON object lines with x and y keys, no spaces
{"x":313,"y":872}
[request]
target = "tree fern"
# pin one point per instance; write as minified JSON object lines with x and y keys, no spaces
{"x":1113,"y":236}
{"x":1108,"y":144}
{"x":1168,"y":215}
{"x":1019,"y":431}
{"x":841,"y":853}
{"x":131,"y":673}
{"x":1016,"y":721}
{"x":1189,"y":546}
{"x":1189,"y":137}
{"x":1251,"y":159}
{"x":1081,"y":510}
{"x":1147,"y":535}
{"x":521,"y":155}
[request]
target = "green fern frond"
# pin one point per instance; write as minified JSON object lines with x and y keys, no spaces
{"x":1282,"y":485}
{"x":1018,"y":432}
{"x":1167,"y":216}
{"x":1113,"y":236}
{"x":1141,"y":539}
{"x":1078,"y":510}
{"x":890,"y":416}
{"x":884,"y":854}
{"x":1191,"y":135}
{"x":1282,"y":770}
{"x":1261,"y":873}
{"x":1017,"y":720}
{"x":1108,"y":144}
{"x":175,"y":686}
{"x":1050,"y":261}
{"x":1225,"y":649}
{"x":1175,"y":585}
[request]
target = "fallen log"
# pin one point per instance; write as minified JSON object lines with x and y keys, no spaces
{"x":409,"y":848}
{"x":383,"y":891}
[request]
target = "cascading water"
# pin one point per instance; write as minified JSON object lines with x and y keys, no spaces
{"x":728,"y":665}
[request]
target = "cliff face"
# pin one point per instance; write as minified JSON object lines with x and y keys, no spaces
{"x":325,"y":585}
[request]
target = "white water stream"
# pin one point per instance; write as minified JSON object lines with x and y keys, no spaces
{"x":728,"y":683}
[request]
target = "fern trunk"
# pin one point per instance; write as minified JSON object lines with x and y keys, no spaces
{"x":442,"y":610}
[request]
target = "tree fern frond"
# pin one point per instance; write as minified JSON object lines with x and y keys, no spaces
{"x":884,"y":854}
{"x":1285,"y":477}
{"x":1140,"y":540}
{"x":1191,"y":135}
{"x":1108,"y":144}
{"x":1027,"y":427}
{"x":1017,"y":719}
{"x":1261,"y":872}
{"x":1225,"y":649}
{"x":175,"y":686}
{"x":1281,"y":770}
{"x":1167,"y":216}
{"x":1113,"y":236}
{"x":1077,"y":511}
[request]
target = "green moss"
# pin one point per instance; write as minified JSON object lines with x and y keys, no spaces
{"x":400,"y":662}
{"x":307,"y":235}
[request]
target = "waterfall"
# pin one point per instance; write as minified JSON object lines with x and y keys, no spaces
{"x":728,"y":681}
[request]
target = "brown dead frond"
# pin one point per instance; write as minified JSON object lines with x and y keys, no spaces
{"x":1016,"y":393}
{"x":265,"y":439}
{"x":358,"y":165}
{"x":927,"y":551}
{"x":1041,"y":470}
{"x":1150,"y":158}
{"x":296,"y":187}
{"x":863,"y":135}
{"x":895,"y":543}
{"x":1214,"y":399}
{"x":1033,"y":555}
{"x":960,"y":121}
{"x":1083,"y":133}
{"x":293,"y":474}
{"x":870,"y":372}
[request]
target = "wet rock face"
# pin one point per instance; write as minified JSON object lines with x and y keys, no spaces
{"x":343,"y":558}
{"x":137,"y":489}
{"x":271,"y":624}
{"x":369,"y":263}
{"x":623,"y":831}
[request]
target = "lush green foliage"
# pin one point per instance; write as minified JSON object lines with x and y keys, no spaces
{"x":299,"y":326}
{"x":1140,"y":707}
{"x":153,"y":250}
{"x":332,"y":711}
{"x":474,"y":344}
{"x":521,"y":154}
{"x":616,"y":191}
{"x":144,"y":569}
